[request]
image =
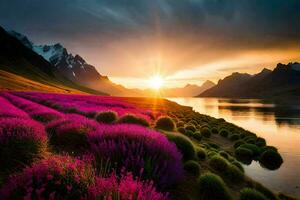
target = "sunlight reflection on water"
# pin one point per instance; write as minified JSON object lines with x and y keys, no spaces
{"x":278,"y":124}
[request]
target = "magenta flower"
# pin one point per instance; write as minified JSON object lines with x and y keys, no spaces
{"x":125,"y":188}
{"x":20,"y":129}
{"x":36,"y":111}
{"x":70,"y":133}
{"x":21,"y":141}
{"x":52,"y":178}
{"x":63,"y":177}
{"x":52,"y":126}
{"x":9,"y":110}
{"x":142,"y":151}
{"x":87,"y":104}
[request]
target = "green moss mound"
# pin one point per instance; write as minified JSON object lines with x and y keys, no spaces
{"x":107,"y":117}
{"x":224,"y":133}
{"x":211,"y":154}
{"x":265,"y":148}
{"x":165,"y":123}
{"x":261,"y":142}
{"x":181,"y":130}
{"x":250,"y":139}
{"x":218,"y":163}
{"x":238,"y":143}
{"x":192,"y":167}
{"x":255,"y":149}
{"x":180,"y":124}
{"x":234,"y":174}
{"x":190,"y":127}
{"x":206,"y":132}
{"x":201,"y":154}
{"x":238,"y":165}
{"x":271,"y":159}
{"x":189,"y":133}
{"x":214,"y":131}
{"x":212,"y":187}
{"x":251,"y":194}
{"x":132,"y":119}
{"x":213,"y":145}
{"x":197,"y":135}
{"x":194,"y":122}
{"x":244,"y":155}
{"x":184,"y":145}
{"x":224,"y":154}
{"x":234,"y":137}
{"x":265,"y":191}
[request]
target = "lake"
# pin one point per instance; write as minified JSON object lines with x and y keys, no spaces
{"x":278,"y":123}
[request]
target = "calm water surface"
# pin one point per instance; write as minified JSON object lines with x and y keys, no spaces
{"x":279,"y":124}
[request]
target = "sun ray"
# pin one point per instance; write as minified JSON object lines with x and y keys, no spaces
{"x":156,"y":82}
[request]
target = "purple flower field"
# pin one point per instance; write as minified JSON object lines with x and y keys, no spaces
{"x":82,"y":104}
{"x":54,"y":148}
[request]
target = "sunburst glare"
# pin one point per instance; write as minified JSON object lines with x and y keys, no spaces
{"x":156,"y":82}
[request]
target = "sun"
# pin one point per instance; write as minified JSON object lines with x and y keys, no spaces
{"x":156,"y":82}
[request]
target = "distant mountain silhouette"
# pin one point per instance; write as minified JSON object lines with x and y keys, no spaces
{"x":283,"y":81}
{"x":189,"y":90}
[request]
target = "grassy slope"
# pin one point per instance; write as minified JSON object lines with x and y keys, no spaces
{"x":13,"y":82}
{"x":19,"y":60}
{"x":14,"y":73}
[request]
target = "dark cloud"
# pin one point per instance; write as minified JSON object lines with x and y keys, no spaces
{"x":274,"y":19}
{"x":199,"y":29}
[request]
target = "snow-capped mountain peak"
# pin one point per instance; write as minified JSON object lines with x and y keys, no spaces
{"x":50,"y":52}
{"x":72,"y":67}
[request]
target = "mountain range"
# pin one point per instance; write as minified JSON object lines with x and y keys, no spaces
{"x":283,"y":81}
{"x":27,"y":66}
{"x":188,"y":90}
{"x":54,"y":65}
{"x":23,"y":69}
{"x":74,"y":68}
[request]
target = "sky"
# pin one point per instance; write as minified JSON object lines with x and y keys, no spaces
{"x":185,"y":41}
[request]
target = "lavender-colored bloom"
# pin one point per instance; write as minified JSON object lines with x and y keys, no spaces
{"x":36,"y":111}
{"x":137,"y":149}
{"x":88,"y":103}
{"x":52,"y":126}
{"x":57,"y":177}
{"x":9,"y":110}
{"x":125,"y":187}
{"x":63,"y":177}
{"x":21,"y":141}
{"x":70,"y":132}
{"x":12,"y":129}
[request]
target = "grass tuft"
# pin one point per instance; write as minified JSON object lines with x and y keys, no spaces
{"x":192,"y":167}
{"x":165,"y":123}
{"x":107,"y":117}
{"x":251,"y":194}
{"x":212,"y":187}
{"x":218,"y":163}
{"x":132,"y":119}
{"x":184,"y":145}
{"x":271,"y":159}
